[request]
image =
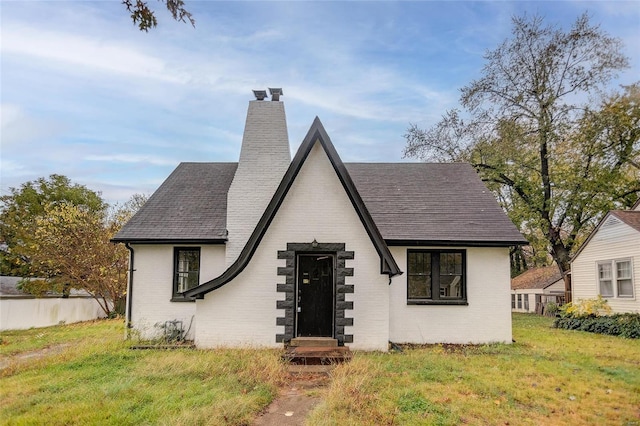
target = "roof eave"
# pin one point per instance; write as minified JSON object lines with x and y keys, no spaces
{"x":456,"y":243}
{"x":169,"y":240}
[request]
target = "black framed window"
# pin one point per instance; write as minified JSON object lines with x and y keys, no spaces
{"x":436,"y":277}
{"x":186,"y":270}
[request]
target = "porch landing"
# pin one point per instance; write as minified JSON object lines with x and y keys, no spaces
{"x":316,"y":351}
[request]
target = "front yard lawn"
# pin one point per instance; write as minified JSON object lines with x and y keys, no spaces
{"x":86,"y":374}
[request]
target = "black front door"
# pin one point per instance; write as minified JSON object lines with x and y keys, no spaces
{"x":315,"y":296}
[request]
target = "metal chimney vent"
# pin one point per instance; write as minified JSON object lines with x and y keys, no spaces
{"x":260,"y":94}
{"x":276,"y":92}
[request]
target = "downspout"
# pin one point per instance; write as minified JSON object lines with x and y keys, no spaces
{"x":130,"y":289}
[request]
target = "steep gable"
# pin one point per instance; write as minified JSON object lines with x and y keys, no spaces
{"x":630,"y":218}
{"x":316,"y":134}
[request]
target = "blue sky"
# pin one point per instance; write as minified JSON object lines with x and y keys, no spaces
{"x":87,"y":95}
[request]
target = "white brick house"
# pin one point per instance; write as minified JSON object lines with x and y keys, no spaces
{"x":259,"y":252}
{"x":608,"y":263}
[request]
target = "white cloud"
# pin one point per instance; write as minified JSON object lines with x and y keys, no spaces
{"x":76,"y":50}
{"x":19,"y":128}
{"x":132,"y":158}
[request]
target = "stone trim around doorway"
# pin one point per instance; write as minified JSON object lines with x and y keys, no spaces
{"x":289,"y":288}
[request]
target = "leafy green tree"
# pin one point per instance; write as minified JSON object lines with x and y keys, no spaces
{"x":555,"y":158}
{"x":145,"y":18}
{"x":20,"y":210}
{"x":72,"y":247}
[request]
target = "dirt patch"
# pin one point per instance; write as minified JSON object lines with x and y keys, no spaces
{"x":295,"y":400}
{"x":24,"y":357}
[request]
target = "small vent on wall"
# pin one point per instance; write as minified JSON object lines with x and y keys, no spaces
{"x":611,"y":222}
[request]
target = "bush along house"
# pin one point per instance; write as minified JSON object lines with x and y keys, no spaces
{"x":269,"y":249}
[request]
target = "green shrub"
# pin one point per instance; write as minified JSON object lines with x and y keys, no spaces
{"x":624,"y":325}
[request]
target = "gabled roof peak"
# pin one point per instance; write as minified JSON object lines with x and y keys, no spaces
{"x":316,"y":133}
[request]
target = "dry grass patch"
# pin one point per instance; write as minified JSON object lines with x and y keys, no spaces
{"x":102,"y":381}
{"x":548,"y":376}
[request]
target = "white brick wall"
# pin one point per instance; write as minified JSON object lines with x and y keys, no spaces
{"x":153,"y":286}
{"x":487,"y":318}
{"x":264,"y":158}
{"x":243,"y":312}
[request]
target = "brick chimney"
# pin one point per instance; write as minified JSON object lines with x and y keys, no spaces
{"x":264,"y":158}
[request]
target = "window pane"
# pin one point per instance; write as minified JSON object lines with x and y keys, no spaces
{"x":519,"y":301}
{"x":526,"y":301}
{"x":604,"y":271}
{"x":419,"y":287}
{"x":419,"y":275}
{"x":624,"y":269}
{"x":625,"y":288}
{"x":188,"y":260}
{"x":450,"y":286}
{"x":187,"y":269}
{"x":513,"y":301}
{"x":606,"y":288}
{"x":451,"y":275}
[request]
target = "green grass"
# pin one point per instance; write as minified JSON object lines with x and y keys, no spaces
{"x":549,"y":376}
{"x":95,"y":378}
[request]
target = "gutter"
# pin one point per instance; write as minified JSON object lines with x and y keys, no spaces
{"x":130,"y":287}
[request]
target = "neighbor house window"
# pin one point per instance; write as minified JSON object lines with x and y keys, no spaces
{"x":186,"y":270}
{"x":436,"y":276}
{"x":615,"y":278}
{"x":519,"y":301}
{"x":526,"y":301}
{"x":513,"y":301}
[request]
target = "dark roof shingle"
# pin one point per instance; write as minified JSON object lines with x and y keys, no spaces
{"x":434,"y":202}
{"x":191,"y":205}
{"x":409,"y":202}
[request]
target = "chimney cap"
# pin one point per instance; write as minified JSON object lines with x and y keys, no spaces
{"x":276,"y":92}
{"x":260,"y":94}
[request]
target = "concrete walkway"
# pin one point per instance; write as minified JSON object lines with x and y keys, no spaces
{"x":297,"y":398}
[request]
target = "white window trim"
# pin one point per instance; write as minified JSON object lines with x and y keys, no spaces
{"x":614,"y":278}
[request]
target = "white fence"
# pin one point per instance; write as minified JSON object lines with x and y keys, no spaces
{"x":23,"y":313}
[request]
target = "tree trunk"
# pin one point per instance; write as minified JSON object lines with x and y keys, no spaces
{"x":561,"y":255}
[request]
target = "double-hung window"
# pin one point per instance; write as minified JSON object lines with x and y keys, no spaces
{"x":615,"y":278}
{"x":186,"y":270}
{"x":436,"y":277}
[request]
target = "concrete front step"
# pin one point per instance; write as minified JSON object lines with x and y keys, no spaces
{"x":317,"y":355}
{"x":314,"y":341}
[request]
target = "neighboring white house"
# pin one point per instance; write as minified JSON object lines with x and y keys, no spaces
{"x":534,"y":288}
{"x":608,"y":263}
{"x":19,"y":310}
{"x":269,"y":249}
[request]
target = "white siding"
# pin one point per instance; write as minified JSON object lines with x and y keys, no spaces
{"x":243,"y":312}
{"x":153,"y":286}
{"x":556,"y":288}
{"x":487,"y":318}
{"x":613,"y":241}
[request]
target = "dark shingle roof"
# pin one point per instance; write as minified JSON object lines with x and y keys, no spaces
{"x":191,"y":205}
{"x":434,"y":202}
{"x":410,"y":203}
